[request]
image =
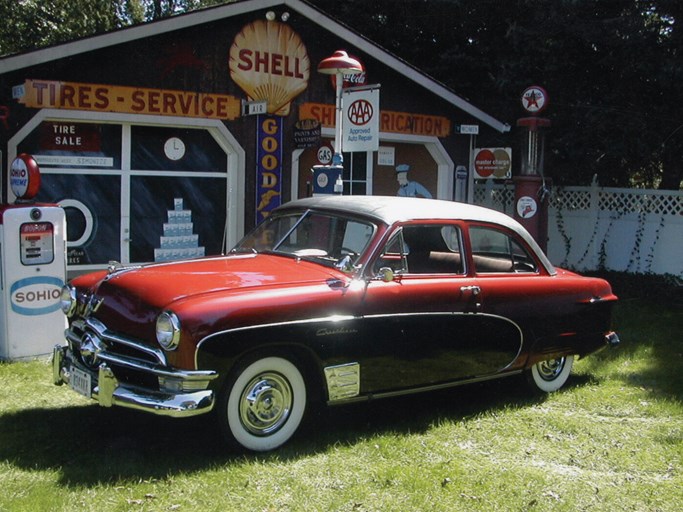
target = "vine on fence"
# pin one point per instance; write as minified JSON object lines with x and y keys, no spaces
{"x":634,"y":259}
{"x":561,"y":228}
{"x":651,"y":255}
{"x":616,"y":205}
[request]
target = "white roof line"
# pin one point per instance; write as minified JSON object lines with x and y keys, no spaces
{"x":199,"y":17}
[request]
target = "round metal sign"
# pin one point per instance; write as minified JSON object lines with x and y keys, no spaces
{"x":24,"y":177}
{"x":534,"y":99}
{"x":526,"y":207}
{"x":325,"y":152}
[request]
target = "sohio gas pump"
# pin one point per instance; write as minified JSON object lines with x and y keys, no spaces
{"x":32,"y":267}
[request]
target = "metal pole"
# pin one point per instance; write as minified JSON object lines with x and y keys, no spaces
{"x":338,"y":159}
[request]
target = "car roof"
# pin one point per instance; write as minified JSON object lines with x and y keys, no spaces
{"x":392,"y":209}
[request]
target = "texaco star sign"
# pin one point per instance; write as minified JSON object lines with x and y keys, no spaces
{"x":534,"y":99}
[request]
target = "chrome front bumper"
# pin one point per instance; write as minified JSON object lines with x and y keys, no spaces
{"x":108,"y":391}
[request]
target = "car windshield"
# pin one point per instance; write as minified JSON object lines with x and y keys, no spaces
{"x":335,"y":240}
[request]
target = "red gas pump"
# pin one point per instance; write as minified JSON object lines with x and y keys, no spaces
{"x":531,"y":187}
{"x":32,"y":267}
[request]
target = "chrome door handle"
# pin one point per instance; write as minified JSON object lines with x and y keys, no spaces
{"x":474,"y":290}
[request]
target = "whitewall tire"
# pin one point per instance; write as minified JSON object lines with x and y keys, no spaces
{"x":263,"y":404}
{"x":551,"y":375}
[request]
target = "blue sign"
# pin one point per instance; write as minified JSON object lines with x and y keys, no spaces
{"x":268,"y":165}
{"x":324,"y":179}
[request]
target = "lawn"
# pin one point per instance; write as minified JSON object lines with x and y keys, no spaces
{"x":612,"y":439}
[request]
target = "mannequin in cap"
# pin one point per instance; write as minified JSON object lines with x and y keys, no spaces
{"x":409,"y":188}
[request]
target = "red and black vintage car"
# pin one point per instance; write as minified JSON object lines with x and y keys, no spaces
{"x":333,"y":300}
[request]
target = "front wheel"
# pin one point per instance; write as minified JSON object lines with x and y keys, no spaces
{"x":551,"y":375}
{"x":263,"y":404}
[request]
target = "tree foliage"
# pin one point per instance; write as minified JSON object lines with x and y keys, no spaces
{"x":31,"y":24}
{"x":612,"y":68}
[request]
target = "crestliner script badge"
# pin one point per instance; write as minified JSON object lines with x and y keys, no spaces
{"x":331,"y":332}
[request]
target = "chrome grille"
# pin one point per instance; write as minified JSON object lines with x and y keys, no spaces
{"x":94,"y":343}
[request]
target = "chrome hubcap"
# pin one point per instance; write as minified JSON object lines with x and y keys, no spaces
{"x":551,"y":369}
{"x":265,"y":404}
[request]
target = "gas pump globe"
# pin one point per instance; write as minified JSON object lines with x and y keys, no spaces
{"x":32,"y":267}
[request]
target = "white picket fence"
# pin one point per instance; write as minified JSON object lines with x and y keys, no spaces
{"x":591,"y":228}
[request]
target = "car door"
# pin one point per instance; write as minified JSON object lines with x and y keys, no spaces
{"x":551,"y":312}
{"x":425,"y":325}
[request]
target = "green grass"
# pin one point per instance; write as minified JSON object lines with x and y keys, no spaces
{"x":612,"y":439}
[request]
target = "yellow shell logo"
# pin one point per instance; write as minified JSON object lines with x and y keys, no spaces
{"x":268,"y":60}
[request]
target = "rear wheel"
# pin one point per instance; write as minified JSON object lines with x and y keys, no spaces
{"x":262,"y":404}
{"x":551,"y":375}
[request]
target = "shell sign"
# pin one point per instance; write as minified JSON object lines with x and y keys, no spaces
{"x":268,"y":60}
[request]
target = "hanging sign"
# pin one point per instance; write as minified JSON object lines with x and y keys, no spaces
{"x":360,"y":128}
{"x":307,"y":133}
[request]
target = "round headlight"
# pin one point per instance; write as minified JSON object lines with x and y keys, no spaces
{"x":168,"y":330}
{"x":67,"y":300}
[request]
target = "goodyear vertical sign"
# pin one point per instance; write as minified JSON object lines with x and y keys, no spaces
{"x":360,"y":126}
{"x":269,"y":165}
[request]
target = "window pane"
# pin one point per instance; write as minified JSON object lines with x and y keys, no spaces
{"x":433,"y":249}
{"x":71,"y":145}
{"x":155,"y":148}
{"x":495,"y":251}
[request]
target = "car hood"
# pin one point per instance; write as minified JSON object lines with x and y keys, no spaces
{"x":159,"y":285}
{"x":207,"y":293}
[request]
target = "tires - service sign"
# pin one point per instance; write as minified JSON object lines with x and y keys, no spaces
{"x":360,"y":124}
{"x":492,"y":163}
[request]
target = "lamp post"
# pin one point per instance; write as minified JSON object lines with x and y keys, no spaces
{"x":339,"y":64}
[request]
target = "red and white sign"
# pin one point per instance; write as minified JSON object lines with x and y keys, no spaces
{"x":534,"y":99}
{"x":353,"y":80}
{"x":24,"y":176}
{"x":526,"y":207}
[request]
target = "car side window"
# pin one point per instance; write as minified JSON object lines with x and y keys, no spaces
{"x":433,"y":249}
{"x":494,"y":251}
{"x":393,"y":255}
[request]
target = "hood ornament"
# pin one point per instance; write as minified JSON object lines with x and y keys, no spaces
{"x":87,"y":305}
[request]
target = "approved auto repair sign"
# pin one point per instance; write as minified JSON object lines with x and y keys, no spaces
{"x":360,"y":125}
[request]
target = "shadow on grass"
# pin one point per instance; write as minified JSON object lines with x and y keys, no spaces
{"x":651,"y":339}
{"x":89,"y":445}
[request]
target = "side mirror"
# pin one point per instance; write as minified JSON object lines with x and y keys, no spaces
{"x":386,"y":274}
{"x":345,"y":264}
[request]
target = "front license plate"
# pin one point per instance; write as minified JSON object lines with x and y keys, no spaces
{"x":80,"y":382}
